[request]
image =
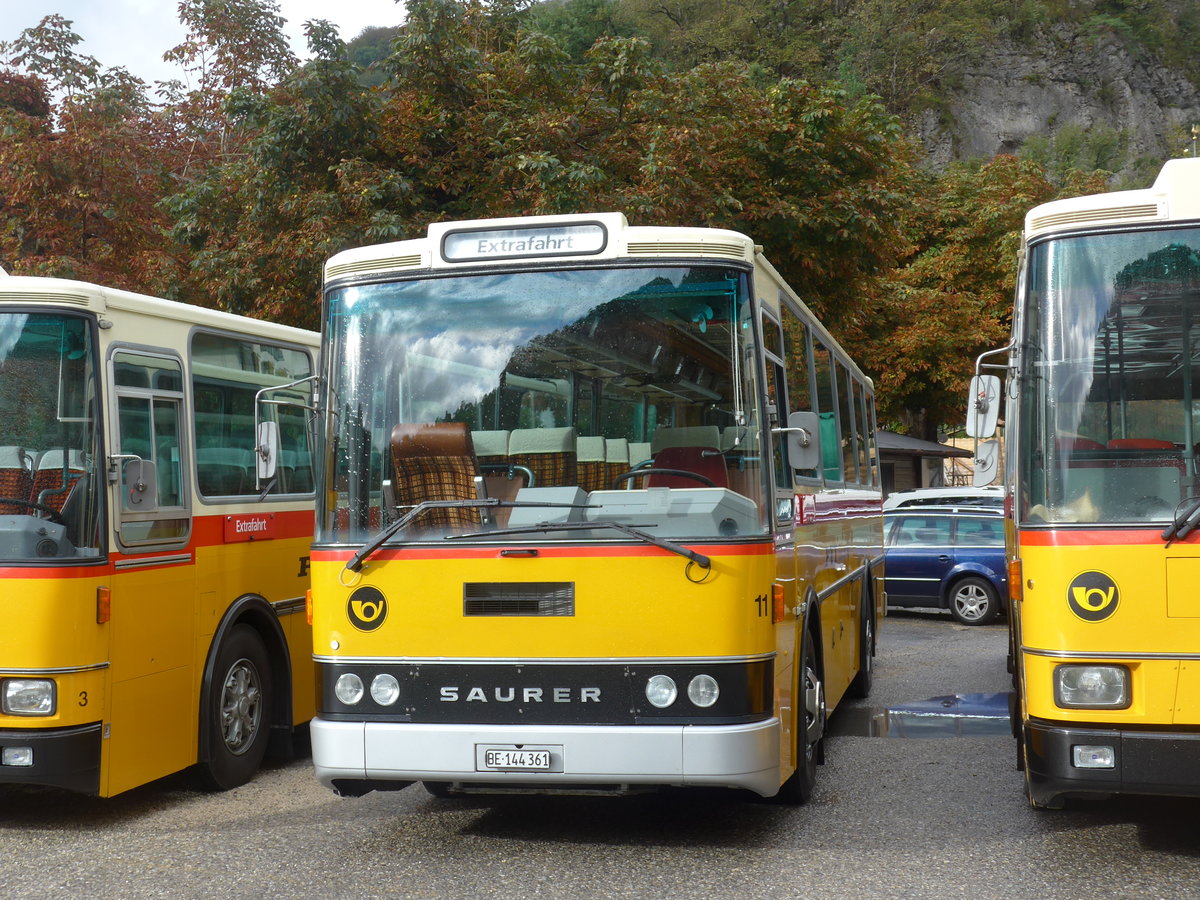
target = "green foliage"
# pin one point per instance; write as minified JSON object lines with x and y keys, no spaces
{"x":576,"y":25}
{"x":1078,"y":148}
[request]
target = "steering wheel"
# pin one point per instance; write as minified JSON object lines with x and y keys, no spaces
{"x":51,"y":513}
{"x":637,"y":473}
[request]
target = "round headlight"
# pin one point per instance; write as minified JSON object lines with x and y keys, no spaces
{"x":703,"y":691}
{"x":385,"y":689}
{"x":348,"y":688}
{"x":661,"y":691}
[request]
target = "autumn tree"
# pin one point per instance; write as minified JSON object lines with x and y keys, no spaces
{"x":83,"y":175}
{"x":483,"y":117}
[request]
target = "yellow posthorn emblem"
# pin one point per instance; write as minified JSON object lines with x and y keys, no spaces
{"x":1093,"y":596}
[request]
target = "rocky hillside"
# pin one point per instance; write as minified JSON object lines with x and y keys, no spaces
{"x":1061,"y":82}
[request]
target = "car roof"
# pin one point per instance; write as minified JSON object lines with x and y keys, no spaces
{"x":946,"y":509}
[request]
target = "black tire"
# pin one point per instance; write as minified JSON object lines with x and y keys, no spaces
{"x":973,"y":601}
{"x":811,"y":715}
{"x":238,"y":711}
{"x":860,"y":687}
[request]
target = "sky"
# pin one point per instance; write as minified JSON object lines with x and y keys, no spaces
{"x":136,"y":33}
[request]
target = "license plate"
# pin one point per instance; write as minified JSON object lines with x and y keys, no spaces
{"x":517,"y":760}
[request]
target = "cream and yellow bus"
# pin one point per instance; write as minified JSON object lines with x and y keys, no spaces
{"x":599,"y":510}
{"x":151,"y":592}
{"x":1102,"y":428}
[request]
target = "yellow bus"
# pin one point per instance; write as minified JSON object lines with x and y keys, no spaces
{"x":151,"y":593}
{"x":599,"y":511}
{"x":1101,"y":432}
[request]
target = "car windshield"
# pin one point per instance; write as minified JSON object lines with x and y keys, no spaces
{"x":49,"y":480}
{"x":1109,"y":361}
{"x":610,"y":395}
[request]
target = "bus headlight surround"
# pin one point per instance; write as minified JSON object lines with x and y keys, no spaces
{"x":661,"y":691}
{"x":348,"y":688}
{"x":385,"y":689}
{"x":1084,"y":686}
{"x":28,"y":697}
{"x":703,"y":691}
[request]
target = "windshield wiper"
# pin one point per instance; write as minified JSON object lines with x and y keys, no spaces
{"x":357,"y":560}
{"x":698,"y":558}
{"x":1183,"y":523}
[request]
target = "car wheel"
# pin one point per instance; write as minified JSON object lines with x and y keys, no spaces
{"x":799,"y":787}
{"x":973,"y":601}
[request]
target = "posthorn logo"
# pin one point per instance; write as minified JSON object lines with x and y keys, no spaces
{"x":366,"y":608}
{"x":1093,"y":596}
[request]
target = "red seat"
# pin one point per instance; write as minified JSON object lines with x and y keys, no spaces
{"x":706,"y":461}
{"x":1140,"y":444}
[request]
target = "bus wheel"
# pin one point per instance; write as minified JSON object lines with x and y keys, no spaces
{"x":973,"y":601}
{"x":860,"y":687}
{"x":238,"y":703}
{"x":799,"y":788}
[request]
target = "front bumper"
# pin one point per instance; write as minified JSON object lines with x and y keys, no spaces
{"x":62,"y":757}
{"x":352,"y":757}
{"x":1146,"y":762}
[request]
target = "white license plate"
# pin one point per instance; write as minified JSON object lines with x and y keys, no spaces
{"x":517,"y":760}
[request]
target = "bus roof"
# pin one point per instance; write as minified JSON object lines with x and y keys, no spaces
{"x":1174,"y":196}
{"x":517,"y":240}
{"x":100,"y":300}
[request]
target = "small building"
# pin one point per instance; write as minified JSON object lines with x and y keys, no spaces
{"x":906,"y":463}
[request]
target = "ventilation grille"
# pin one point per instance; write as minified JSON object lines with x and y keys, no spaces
{"x":1137,"y":212}
{"x":688,"y":248}
{"x":519,"y":598}
{"x":39,"y":297}
{"x":386,"y":264}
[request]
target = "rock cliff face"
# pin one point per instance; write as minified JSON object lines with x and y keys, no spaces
{"x":1061,"y":78}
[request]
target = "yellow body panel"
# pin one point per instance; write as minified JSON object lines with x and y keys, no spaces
{"x":1150,"y":624}
{"x":634,"y":606}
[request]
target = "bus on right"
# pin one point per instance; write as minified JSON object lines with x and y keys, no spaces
{"x":1101,"y":425}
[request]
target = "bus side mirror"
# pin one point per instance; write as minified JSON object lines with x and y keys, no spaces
{"x":983,"y":406}
{"x":987,"y":458}
{"x":139,"y":485}
{"x":266,"y":450}
{"x":804,"y":440}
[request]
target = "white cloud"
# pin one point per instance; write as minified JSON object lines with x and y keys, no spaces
{"x":136,"y":33}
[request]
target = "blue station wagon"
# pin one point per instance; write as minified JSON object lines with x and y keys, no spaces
{"x":947,"y":558}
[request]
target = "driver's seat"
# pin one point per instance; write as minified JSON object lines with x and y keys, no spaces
{"x":705,"y":461}
{"x":16,"y":479}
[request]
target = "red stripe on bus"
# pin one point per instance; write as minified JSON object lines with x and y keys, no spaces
{"x":1097,"y":537}
{"x":543,"y":551}
{"x":207,"y":531}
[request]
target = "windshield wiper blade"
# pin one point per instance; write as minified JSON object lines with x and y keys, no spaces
{"x":698,"y":558}
{"x":357,"y":560}
{"x":1183,"y":523}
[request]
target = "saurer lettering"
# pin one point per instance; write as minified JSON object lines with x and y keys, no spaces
{"x":454,"y":694}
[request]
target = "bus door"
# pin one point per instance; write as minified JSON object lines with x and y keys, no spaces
{"x":152,"y":633}
{"x":783,"y":599}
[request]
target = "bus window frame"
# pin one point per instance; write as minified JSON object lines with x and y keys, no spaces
{"x":311,"y":421}
{"x":120,"y":515}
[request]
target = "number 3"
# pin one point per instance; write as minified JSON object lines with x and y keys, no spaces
{"x":83,"y":698}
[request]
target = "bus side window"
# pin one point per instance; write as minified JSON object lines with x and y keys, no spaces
{"x":831,"y":442}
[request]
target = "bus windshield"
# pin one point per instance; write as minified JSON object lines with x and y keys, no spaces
{"x":626,"y":395}
{"x":49,"y":482}
{"x":1109,"y":355}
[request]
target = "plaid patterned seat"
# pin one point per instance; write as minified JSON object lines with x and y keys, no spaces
{"x":435,"y":462}
{"x":56,"y":475}
{"x":590,"y":464}
{"x":549,"y":453}
{"x":16,"y":479}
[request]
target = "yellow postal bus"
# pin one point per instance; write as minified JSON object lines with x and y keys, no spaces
{"x":151,"y":592}
{"x":1102,"y":430}
{"x":599,"y":510}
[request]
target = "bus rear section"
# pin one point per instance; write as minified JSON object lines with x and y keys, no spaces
{"x":152,"y":593}
{"x":561,"y":544}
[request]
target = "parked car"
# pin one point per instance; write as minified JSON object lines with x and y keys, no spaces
{"x":991,"y":496}
{"x":948,"y":558}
